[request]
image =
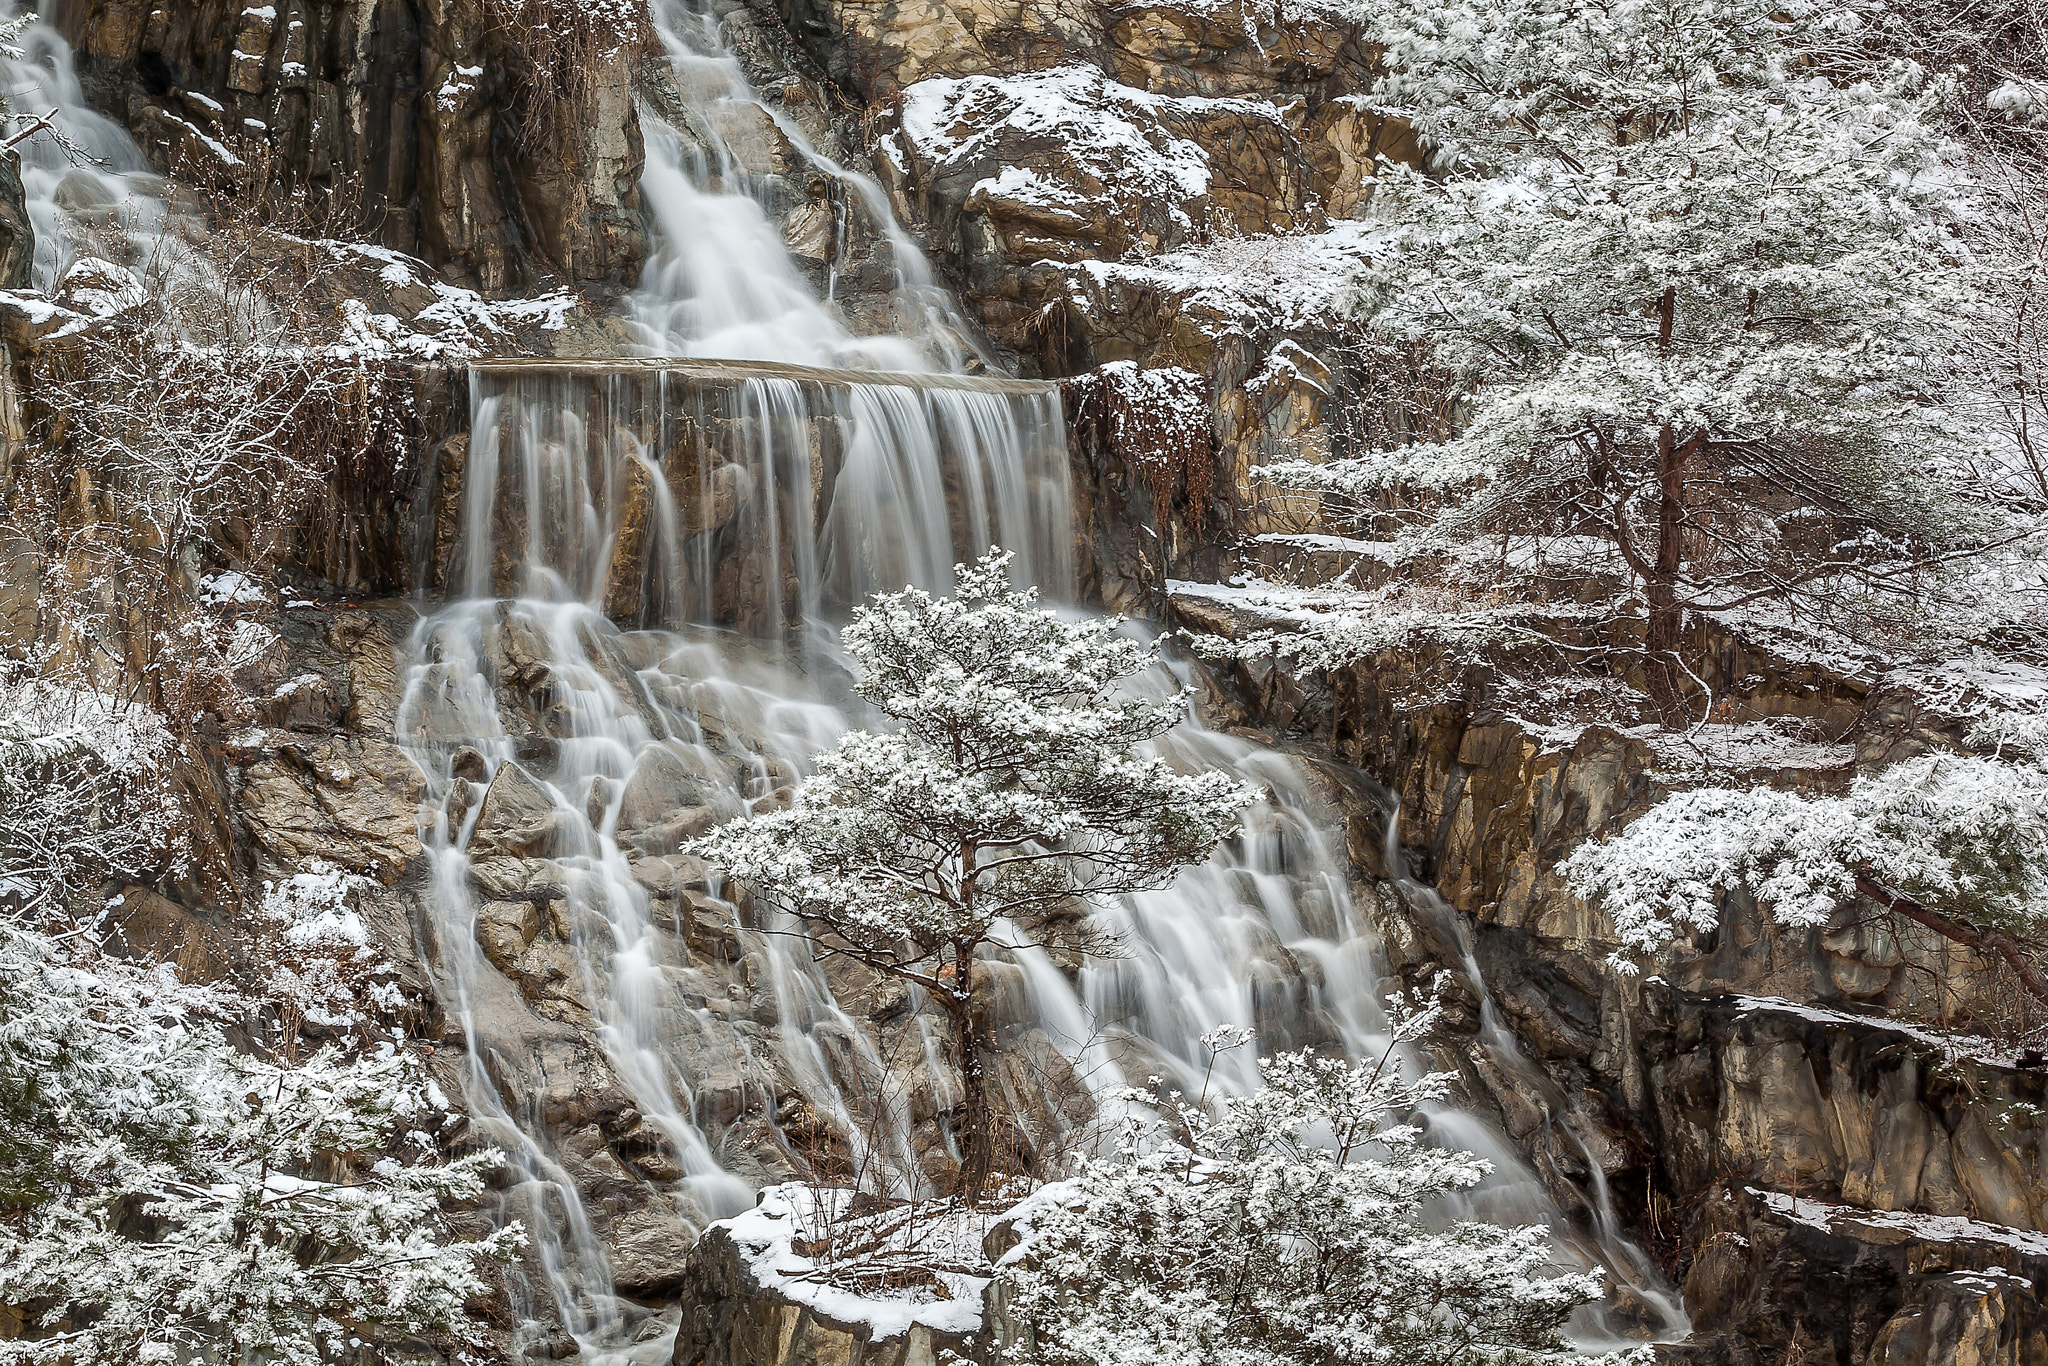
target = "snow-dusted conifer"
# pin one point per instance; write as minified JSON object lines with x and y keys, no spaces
{"x":165,"y":1198}
{"x":1291,"y":1226}
{"x":1696,"y":283}
{"x":1956,"y":843}
{"x":1011,"y":786}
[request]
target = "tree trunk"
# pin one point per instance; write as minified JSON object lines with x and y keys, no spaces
{"x":1661,"y":638}
{"x":976,"y":1155}
{"x":1661,"y":632}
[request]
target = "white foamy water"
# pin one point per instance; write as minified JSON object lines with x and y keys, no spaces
{"x":641,"y":598}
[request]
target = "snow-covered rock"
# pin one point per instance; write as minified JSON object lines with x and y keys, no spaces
{"x":751,"y":1297}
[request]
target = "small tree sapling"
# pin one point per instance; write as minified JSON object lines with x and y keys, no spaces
{"x":1296,"y":1226}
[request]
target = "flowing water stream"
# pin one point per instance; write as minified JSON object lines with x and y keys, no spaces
{"x":87,"y":183}
{"x":640,"y":567}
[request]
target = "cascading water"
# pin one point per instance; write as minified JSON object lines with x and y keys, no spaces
{"x":721,"y":282}
{"x":1514,"y":1193}
{"x":605,"y":510}
{"x":637,"y":563}
{"x":87,"y":185}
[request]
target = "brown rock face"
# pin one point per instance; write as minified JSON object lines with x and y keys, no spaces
{"x":391,"y":120}
{"x":17,"y":236}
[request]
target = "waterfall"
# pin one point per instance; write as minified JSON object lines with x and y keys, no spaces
{"x":631,"y":572}
{"x":105,"y":199}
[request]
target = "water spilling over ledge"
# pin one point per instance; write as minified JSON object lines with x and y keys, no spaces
{"x":754,"y":496}
{"x":711,"y":373}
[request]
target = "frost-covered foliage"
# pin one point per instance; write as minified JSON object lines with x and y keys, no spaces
{"x":324,"y":967}
{"x":1299,"y":1224}
{"x":1698,"y":285}
{"x":188,"y":390}
{"x":1958,"y":842}
{"x":1011,"y":786}
{"x":1159,"y":420}
{"x":1996,"y":54}
{"x":888,"y":1267}
{"x":84,"y":797}
{"x":164,"y":1198}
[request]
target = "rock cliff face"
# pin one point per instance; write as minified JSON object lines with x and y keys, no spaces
{"x":412,"y":124}
{"x":1827,"y":1186}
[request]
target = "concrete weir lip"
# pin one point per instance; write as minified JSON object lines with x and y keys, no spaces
{"x":712,"y":371}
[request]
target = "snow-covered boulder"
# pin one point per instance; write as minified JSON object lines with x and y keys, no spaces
{"x":755,"y":1294}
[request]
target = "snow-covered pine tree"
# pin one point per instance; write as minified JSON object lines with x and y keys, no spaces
{"x":1300,"y":1225}
{"x":1954,"y":843}
{"x":165,"y":1198}
{"x":1010,"y":787}
{"x":1696,"y":286}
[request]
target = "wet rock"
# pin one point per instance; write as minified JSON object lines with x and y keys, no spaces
{"x":504,"y":930}
{"x":463,"y":795}
{"x":551,"y":979}
{"x":17,"y":234}
{"x":519,"y":816}
{"x":597,"y":1171}
{"x":513,"y":879}
{"x":668,"y":876}
{"x":670,"y":835}
{"x":664,"y":781}
{"x":446,"y":708}
{"x":557,"y":1346}
{"x":999,"y":994}
{"x":650,"y":1249}
{"x":647,"y":1151}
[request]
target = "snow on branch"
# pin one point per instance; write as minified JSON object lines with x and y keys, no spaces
{"x":1962,"y":839}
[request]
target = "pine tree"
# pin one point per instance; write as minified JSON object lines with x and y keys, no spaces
{"x":1691,"y":270}
{"x":1010,"y":787}
{"x":166,"y":1198}
{"x":1300,"y":1225}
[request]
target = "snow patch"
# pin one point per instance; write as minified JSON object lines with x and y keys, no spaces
{"x":232,"y":588}
{"x":1932,"y":1228}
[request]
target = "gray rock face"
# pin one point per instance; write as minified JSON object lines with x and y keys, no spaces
{"x":1779,"y":1281}
{"x":394,"y":120}
{"x":729,"y":1320}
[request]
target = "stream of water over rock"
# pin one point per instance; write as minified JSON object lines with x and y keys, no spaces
{"x":643,"y":567}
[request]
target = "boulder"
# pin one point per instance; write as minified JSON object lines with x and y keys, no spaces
{"x":504,"y":930}
{"x":519,"y":818}
{"x":650,"y":1252}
